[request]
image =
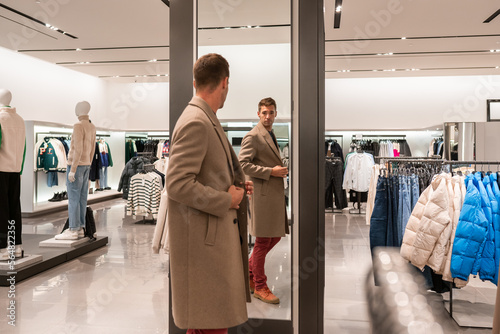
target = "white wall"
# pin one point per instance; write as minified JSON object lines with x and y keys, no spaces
{"x":256,"y":72}
{"x":46,"y":92}
{"x":137,"y":106}
{"x":407,"y":103}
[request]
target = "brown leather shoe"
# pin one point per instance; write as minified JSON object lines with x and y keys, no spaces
{"x":266,"y":296}
{"x":252,"y":285}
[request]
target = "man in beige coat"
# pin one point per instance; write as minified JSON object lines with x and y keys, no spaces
{"x":207,"y":212}
{"x":261,"y":161}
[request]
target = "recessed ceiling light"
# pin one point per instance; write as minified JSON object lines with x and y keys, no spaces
{"x":338,"y":9}
{"x":403,"y":37}
{"x":78,"y":49}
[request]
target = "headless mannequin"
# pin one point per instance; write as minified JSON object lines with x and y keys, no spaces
{"x":5,"y":97}
{"x":82,"y":108}
{"x":12,"y":132}
{"x":82,"y":149}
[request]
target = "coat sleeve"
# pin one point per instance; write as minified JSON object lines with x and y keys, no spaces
{"x":185,"y":163}
{"x":249,"y":148}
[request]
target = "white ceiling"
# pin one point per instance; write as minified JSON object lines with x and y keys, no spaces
{"x":436,"y":38}
{"x":122,"y":37}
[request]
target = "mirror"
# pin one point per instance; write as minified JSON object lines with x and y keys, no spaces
{"x":493,"y":110}
{"x":254,"y":36}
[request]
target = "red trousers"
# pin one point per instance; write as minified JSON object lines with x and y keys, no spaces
{"x":258,"y":259}
{"x":207,"y":331}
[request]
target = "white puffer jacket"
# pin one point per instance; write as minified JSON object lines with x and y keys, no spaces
{"x":427,"y":232}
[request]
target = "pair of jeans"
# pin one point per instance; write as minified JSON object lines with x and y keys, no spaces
{"x":103,"y":177}
{"x":52,"y":179}
{"x":380,"y":221}
{"x":257,"y":260}
{"x":415,"y":190}
{"x":77,"y":197}
{"x":392,"y":236}
{"x":399,"y":222}
{"x":407,"y":208}
{"x":10,"y":209}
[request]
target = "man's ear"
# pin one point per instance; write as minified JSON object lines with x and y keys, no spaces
{"x":225,"y":82}
{"x":194,"y":84}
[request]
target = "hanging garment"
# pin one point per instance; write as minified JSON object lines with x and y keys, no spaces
{"x":144,"y":195}
{"x":470,"y":234}
{"x":358,"y":172}
{"x":423,"y":235}
{"x":133,"y":166}
{"x":333,"y":185}
{"x":372,"y":191}
{"x":96,"y":166}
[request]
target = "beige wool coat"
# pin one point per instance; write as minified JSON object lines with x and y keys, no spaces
{"x":258,"y":156}
{"x":208,"y":240}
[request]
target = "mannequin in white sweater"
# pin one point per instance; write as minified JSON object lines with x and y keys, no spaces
{"x":80,"y":156}
{"x":12,"y":152}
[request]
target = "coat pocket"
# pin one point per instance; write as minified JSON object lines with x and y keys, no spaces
{"x":211,"y":230}
{"x":265,"y":184}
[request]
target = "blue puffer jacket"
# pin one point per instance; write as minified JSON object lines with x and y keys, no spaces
{"x":486,"y":207}
{"x":496,"y":223}
{"x":470,"y":233}
{"x":488,"y":269}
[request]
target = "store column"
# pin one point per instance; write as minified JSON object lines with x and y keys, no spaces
{"x":183,"y":54}
{"x":308,"y":129}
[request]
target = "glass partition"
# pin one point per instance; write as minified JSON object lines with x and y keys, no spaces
{"x":254,"y":36}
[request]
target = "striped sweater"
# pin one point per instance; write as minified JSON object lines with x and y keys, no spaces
{"x":144,"y":195}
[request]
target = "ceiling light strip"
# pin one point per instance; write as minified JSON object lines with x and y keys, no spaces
{"x":112,"y":61}
{"x":37,"y":21}
{"x":247,"y":27}
{"x":416,"y":69}
{"x":410,"y":53}
{"x":407,"y":38}
{"x":134,"y":76}
{"x":98,"y":49}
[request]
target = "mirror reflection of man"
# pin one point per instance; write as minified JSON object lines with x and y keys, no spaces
{"x":261,"y":161}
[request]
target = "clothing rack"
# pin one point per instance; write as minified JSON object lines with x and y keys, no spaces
{"x":388,"y":137}
{"x":471,"y":162}
{"x":465,"y":162}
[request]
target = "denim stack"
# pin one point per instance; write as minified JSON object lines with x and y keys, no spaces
{"x":395,"y":199}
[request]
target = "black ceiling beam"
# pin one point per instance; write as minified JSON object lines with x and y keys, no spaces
{"x":495,"y":14}
{"x":337,"y":14}
{"x":36,"y":20}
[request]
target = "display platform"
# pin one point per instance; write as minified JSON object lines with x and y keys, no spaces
{"x":52,"y":256}
{"x":20,"y":263}
{"x":49,"y":207}
{"x":52,"y":242}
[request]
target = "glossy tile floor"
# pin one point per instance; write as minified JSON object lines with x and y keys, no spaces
{"x":348,"y":262}
{"x":123,"y":288}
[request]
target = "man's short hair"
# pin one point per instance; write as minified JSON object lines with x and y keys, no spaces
{"x":209,"y":70}
{"x":267,"y":102}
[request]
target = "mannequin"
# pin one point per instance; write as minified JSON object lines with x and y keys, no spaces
{"x":12,"y":151}
{"x":80,"y":156}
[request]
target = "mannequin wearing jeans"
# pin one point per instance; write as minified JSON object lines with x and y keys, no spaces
{"x":12,"y":150}
{"x":80,"y":157}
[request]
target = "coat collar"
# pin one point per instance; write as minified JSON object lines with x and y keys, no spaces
{"x":264,"y":133}
{"x":203,"y":105}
